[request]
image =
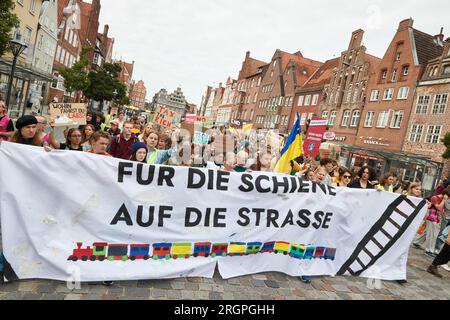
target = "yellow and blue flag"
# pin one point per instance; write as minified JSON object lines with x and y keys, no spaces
{"x":292,"y":149}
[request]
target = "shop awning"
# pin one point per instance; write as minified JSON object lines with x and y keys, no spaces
{"x":396,"y":156}
{"x":24,"y":72}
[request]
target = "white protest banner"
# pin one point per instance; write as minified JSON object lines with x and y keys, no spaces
{"x":166,"y":117}
{"x":68,"y":114}
{"x":122,"y":220}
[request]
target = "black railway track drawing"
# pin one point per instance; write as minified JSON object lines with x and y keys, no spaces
{"x":395,"y":220}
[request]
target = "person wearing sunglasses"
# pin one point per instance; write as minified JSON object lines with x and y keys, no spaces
{"x":345,"y":177}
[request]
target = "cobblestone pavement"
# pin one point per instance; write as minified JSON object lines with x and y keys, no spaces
{"x":265,"y":286}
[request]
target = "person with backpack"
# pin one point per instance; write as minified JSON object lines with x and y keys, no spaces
{"x":121,"y":145}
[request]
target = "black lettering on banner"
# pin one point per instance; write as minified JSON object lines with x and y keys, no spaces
{"x":223,"y":177}
{"x":259,"y":188}
{"x":151,"y":212}
{"x":122,"y":172}
{"x":304,"y":218}
{"x":289,"y":219}
{"x":331,"y":191}
{"x":166,"y":174}
{"x":207,"y":217}
{"x":258,"y":212}
{"x":327,"y":219}
{"x":187,"y":220}
{"x":294,"y":184}
{"x":126,"y":216}
{"x":318,"y":216}
{"x":246,"y":180}
{"x":163,"y":215}
{"x":277,"y":184}
{"x":210,"y":179}
{"x":218,"y":217}
{"x":192,"y":173}
{"x":321,"y":187}
{"x":243,"y":214}
{"x":304,"y":186}
{"x":272,"y":216}
{"x":151,"y":174}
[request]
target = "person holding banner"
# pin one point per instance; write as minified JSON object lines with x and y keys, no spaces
{"x":88,"y":132}
{"x":6,"y":124}
{"x":365,"y":173}
{"x":26,"y":132}
{"x":121,"y":145}
{"x":73,"y":141}
{"x":139,"y":152}
{"x":100,"y":141}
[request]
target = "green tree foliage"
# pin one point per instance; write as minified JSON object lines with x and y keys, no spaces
{"x":8,"y":20}
{"x":76,"y":78}
{"x":446,"y":142}
{"x":103,"y":84}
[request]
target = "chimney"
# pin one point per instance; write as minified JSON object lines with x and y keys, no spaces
{"x":439,"y":38}
{"x":404,"y":24}
{"x":247,"y":55}
{"x":105,"y":30}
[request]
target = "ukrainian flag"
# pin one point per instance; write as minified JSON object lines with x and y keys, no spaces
{"x":292,"y":149}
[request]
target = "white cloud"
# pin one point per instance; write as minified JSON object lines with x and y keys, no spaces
{"x":193,"y":43}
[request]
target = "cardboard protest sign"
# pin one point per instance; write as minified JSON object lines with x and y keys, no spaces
{"x":68,"y":114}
{"x":166,"y":118}
{"x":156,"y":222}
{"x":201,"y":138}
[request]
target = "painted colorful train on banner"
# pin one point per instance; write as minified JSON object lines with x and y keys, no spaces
{"x":101,"y":251}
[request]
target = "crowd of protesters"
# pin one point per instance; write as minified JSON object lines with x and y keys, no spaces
{"x":135,"y":140}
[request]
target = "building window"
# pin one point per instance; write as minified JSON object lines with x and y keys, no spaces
{"x":398,"y":57}
{"x":58,"y":53}
{"x":388,"y":93}
{"x":310,"y":115}
{"x":349,"y":93}
{"x":416,"y":133}
{"x":315,"y":99}
{"x":440,"y":103}
{"x":259,"y":82}
{"x":405,"y":70}
{"x":345,"y":118}
{"x":325,"y":115}
{"x":332,"y":119}
{"x":422,"y":104}
{"x":355,"y":118}
{"x":300,"y":101}
{"x":271,"y":74}
{"x":33,"y":6}
{"x":396,"y":120}
{"x":307,"y":100}
{"x":403,"y":93}
{"x":382,"y":119}
{"x":394,"y":75}
{"x":291,"y":101}
{"x":446,"y":69}
{"x":384,"y":74}
{"x":374,"y":95}
{"x":369,"y":119}
{"x":303,"y":119}
{"x":433,"y":134}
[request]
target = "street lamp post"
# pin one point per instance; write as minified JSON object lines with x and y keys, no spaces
{"x":17,"y":47}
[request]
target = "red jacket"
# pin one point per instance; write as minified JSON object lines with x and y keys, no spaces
{"x":121,"y":148}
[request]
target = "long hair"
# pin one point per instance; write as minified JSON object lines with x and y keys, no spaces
{"x":69,"y":134}
{"x":411,"y":186}
{"x":384,"y":178}
{"x":18,"y":138}
{"x":84,"y":135}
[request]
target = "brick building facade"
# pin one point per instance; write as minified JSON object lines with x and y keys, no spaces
{"x":430,"y":114}
{"x":138,"y":94}
{"x":346,"y":92}
{"x":308,"y":97}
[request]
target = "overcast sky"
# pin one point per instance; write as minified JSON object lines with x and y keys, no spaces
{"x":195,"y":43}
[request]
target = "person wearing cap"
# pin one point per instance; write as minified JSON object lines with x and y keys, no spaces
{"x":139,"y":152}
{"x":6,"y":124}
{"x":114,"y":129}
{"x":27,"y":132}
